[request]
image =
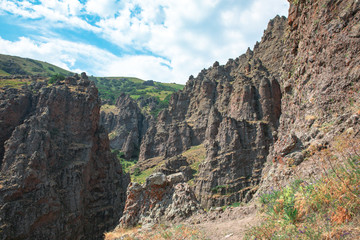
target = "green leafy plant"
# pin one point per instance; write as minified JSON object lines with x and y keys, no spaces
{"x":56,"y":77}
{"x":137,"y":171}
{"x":324,"y":208}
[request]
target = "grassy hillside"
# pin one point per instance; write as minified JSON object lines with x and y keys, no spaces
{"x":11,"y":65}
{"x":110,"y":88}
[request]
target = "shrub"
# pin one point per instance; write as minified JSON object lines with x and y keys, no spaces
{"x":137,"y":171}
{"x":328,"y":208}
{"x":56,"y":77}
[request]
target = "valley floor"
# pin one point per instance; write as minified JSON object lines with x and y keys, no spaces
{"x":229,"y":224}
{"x":216,"y":224}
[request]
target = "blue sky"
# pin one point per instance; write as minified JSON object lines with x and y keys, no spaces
{"x":163,"y":40}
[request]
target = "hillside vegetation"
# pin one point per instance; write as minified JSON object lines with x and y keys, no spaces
{"x":327,"y":207}
{"x":110,"y":88}
{"x":11,"y":65}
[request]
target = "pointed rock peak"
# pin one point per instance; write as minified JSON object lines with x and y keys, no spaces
{"x":249,"y":53}
{"x":84,"y":76}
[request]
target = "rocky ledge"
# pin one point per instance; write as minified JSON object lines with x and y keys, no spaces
{"x":161,"y":198}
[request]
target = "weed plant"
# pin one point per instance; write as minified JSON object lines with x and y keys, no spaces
{"x":327,"y":208}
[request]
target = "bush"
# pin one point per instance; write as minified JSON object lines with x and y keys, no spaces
{"x":56,"y":77}
{"x":137,"y":171}
{"x":327,"y":208}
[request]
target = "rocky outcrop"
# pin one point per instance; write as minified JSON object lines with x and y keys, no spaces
{"x":15,"y":105}
{"x":126,"y":125}
{"x":320,"y":84}
{"x":233,"y":110}
{"x":177,"y":164}
{"x":269,"y":105}
{"x":58,"y":179}
{"x":161,"y":198}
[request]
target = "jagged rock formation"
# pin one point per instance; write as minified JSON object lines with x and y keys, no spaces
{"x":320,"y":84}
{"x":126,"y":125}
{"x":233,"y":110}
{"x":269,"y":105}
{"x":161,"y":198}
{"x":58,"y":179}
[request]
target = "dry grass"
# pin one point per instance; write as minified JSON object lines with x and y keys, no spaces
{"x":13,"y":83}
{"x":157,"y":232}
{"x":109,"y":108}
{"x":324,"y":208}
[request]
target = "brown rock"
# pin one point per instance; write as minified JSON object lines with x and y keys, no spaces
{"x":58,"y":177}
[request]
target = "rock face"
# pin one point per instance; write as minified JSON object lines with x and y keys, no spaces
{"x":58,"y":177}
{"x":320,"y":83}
{"x":126,"y":125}
{"x":297,"y":89}
{"x":233,"y":110}
{"x":161,"y":198}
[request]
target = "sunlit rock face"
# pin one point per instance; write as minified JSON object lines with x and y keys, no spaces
{"x":58,"y":177}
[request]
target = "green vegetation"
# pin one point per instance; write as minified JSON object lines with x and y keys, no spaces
{"x":126,"y":164}
{"x":326,"y":208}
{"x":235,"y":204}
{"x":56,"y":77}
{"x":140,"y":177}
{"x":11,"y":65}
{"x":195,"y":155}
{"x":110,"y":88}
{"x":12,"y":83}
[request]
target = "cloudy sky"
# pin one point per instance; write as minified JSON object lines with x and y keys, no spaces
{"x":163,"y":40}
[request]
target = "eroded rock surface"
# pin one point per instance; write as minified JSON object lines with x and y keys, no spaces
{"x":58,"y":179}
{"x":233,"y":110}
{"x":161,"y":198}
{"x":320,"y":85}
{"x":126,"y":125}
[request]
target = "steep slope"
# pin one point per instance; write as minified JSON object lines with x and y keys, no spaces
{"x":126,"y":124}
{"x":129,"y":104}
{"x":233,"y":110}
{"x":58,"y":177}
{"x":291,"y":95}
{"x":320,"y":85}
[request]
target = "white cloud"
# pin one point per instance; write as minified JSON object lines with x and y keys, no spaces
{"x":62,"y":53}
{"x":191,"y":34}
{"x":103,"y":8}
{"x":66,"y":54}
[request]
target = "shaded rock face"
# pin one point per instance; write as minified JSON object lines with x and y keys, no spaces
{"x":232,"y":109}
{"x":126,"y":126}
{"x":320,"y":84}
{"x":161,"y":198}
{"x":15,"y":105}
{"x":58,"y":177}
{"x":177,"y":164}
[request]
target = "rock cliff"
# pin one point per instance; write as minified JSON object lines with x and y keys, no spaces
{"x":233,"y":110}
{"x":320,"y":85}
{"x":261,"y":114}
{"x":58,"y":179}
{"x":161,"y":198}
{"x":126,"y":125}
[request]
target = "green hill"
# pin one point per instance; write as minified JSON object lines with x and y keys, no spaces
{"x":11,"y":65}
{"x":110,"y":88}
